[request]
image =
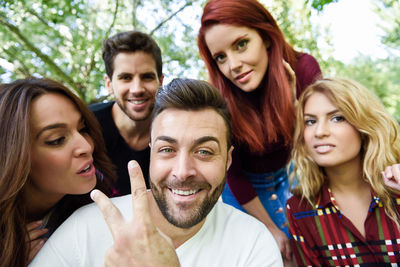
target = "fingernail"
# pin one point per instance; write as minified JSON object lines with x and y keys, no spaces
{"x":93,"y":194}
{"x":132,"y":164}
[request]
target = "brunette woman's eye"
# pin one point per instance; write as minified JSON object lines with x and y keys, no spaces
{"x":55,"y":142}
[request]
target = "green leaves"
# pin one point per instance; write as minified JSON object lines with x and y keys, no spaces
{"x":62,"y":39}
{"x":319,"y":4}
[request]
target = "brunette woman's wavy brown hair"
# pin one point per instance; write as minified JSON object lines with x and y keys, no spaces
{"x":275,"y":120}
{"x":15,"y":163}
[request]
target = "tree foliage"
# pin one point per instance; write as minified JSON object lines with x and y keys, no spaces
{"x":379,"y":75}
{"x":293,"y":17}
{"x":382,"y":76}
{"x":319,"y":4}
{"x":389,"y":11}
{"x":59,"y":39}
{"x":389,"y":68}
{"x":62,"y":39}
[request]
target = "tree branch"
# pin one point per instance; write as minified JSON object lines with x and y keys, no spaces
{"x":42,"y":20}
{"x":171,"y":16}
{"x":46,"y":59}
{"x":114,"y":19}
{"x":11,"y":53}
{"x":135,"y":4}
{"x":98,"y":44}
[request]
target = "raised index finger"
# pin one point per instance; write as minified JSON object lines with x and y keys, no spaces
{"x":140,"y":203}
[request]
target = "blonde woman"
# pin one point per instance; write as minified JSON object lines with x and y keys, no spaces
{"x":342,"y":212}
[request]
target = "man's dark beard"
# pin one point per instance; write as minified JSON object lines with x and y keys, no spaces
{"x":121,"y":107}
{"x":200,"y":212}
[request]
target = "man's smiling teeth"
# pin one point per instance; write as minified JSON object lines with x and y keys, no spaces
{"x":137,"y":102}
{"x":184,"y":193}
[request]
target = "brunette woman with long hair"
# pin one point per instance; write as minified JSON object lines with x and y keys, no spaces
{"x":343,"y":212}
{"x":51,"y":155}
{"x":246,"y":55}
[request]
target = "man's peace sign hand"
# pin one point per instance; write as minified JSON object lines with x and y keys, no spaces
{"x":137,"y":242}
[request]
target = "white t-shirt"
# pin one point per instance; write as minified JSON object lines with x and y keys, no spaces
{"x":228,"y":237}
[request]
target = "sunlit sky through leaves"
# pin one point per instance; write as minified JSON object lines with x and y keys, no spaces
{"x":354,"y":27}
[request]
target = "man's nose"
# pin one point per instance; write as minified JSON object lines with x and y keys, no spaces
{"x":136,"y":86}
{"x":184,"y":167}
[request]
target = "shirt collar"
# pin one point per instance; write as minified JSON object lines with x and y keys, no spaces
{"x":326,"y":198}
{"x":323,"y":200}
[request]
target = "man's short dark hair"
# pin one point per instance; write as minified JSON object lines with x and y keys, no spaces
{"x":130,"y":41}
{"x":192,"y":95}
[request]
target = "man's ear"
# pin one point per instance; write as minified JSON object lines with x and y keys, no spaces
{"x":229,"y":159}
{"x":161,"y":79}
{"x":107,"y":82}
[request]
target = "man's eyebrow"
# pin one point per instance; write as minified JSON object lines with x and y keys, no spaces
{"x":197,"y":142}
{"x":166,"y":139}
{"x":123,"y":74}
{"x":149,"y":73}
{"x":206,"y":138}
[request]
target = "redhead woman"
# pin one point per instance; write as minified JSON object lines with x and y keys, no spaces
{"x":345,"y":211}
{"x":248,"y":59}
{"x":51,"y":155}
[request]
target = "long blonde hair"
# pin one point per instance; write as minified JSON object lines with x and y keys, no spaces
{"x":379,"y":134}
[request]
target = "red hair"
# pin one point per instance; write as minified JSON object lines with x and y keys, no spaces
{"x":274,"y":120}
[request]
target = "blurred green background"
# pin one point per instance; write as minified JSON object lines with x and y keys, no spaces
{"x":62,"y":39}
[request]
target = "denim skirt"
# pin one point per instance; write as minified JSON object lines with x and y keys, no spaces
{"x":273,"y":190}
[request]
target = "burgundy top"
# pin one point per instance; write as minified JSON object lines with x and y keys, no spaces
{"x":307,"y":70}
{"x":323,"y":236}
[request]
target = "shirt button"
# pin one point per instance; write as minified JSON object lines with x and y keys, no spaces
{"x":274,"y":197}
